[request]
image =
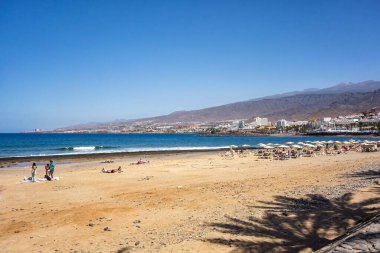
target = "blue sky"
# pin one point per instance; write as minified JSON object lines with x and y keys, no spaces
{"x":69,"y":62}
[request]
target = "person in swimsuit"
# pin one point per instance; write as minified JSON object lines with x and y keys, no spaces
{"x":47,"y":169}
{"x":112,"y":171}
{"x":34,"y":168}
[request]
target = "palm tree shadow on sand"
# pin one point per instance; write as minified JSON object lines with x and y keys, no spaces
{"x":368,"y":174}
{"x":294,"y":224}
{"x":298,"y":224}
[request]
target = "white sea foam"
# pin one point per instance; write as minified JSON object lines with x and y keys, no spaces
{"x":133,"y":150}
{"x":92,"y":150}
{"x":84,"y":148}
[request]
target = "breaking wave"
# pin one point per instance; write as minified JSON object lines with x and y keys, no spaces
{"x":86,"y":148}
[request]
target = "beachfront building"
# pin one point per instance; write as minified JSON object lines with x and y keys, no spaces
{"x":296,"y":123}
{"x":234,"y":126}
{"x":314,"y":124}
{"x":282,"y":124}
{"x":326,"y":120}
{"x":370,"y":124}
{"x":326,"y":123}
{"x":257,"y":122}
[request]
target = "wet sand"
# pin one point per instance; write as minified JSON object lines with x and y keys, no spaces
{"x":188,"y":202}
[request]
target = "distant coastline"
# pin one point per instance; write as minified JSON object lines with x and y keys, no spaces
{"x":351,"y":134}
{"x":222,"y":134}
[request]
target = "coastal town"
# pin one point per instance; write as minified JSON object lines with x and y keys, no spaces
{"x":364,"y":123}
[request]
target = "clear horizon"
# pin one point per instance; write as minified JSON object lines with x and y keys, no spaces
{"x":73,"y":62}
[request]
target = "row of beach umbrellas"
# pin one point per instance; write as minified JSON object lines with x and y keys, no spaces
{"x":307,"y":144}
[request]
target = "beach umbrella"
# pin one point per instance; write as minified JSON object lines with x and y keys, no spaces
{"x":233,"y":146}
{"x":330,"y":142}
{"x":301,"y":143}
{"x":270,"y":144}
{"x":283,"y":146}
{"x":276,"y":144}
{"x":289,"y":142}
{"x":296,"y":146}
{"x":338,"y":142}
{"x":261,"y":145}
{"x":269,"y":147}
{"x":245,"y":146}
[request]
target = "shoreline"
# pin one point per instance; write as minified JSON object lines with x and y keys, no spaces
{"x":114,"y":155}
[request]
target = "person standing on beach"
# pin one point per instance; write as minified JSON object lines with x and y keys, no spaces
{"x":34,"y":168}
{"x":47,"y":169}
{"x":51,"y":167}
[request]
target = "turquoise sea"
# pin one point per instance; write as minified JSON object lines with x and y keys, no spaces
{"x":21,"y":145}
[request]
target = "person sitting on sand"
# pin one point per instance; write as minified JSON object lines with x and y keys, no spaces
{"x":51,"y":167}
{"x":112,"y":171}
{"x":34,"y":169}
{"x":47,"y":169}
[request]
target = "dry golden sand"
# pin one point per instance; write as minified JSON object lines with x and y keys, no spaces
{"x":177,"y":203}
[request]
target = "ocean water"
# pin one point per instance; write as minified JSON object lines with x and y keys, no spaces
{"x":19,"y":145}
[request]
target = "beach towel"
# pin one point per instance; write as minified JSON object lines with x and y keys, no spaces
{"x":29,"y":180}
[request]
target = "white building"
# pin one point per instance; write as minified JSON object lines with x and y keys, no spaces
{"x":281,"y":123}
{"x":260,"y":121}
{"x":326,"y":119}
{"x":296,"y":123}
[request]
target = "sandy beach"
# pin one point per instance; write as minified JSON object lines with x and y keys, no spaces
{"x":188,"y":202}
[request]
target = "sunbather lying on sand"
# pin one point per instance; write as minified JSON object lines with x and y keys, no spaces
{"x":108,"y":161}
{"x":140,"y":162}
{"x":113,"y":170}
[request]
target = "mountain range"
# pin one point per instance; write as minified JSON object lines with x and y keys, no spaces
{"x":341,"y":99}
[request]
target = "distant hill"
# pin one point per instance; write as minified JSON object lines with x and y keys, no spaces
{"x":366,"y":86}
{"x":297,"y":107}
{"x":342,"y":99}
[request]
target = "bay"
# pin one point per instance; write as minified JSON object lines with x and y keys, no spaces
{"x":30,"y":144}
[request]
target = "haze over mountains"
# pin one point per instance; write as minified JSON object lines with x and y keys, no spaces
{"x":366,"y":86}
{"x":341,"y":99}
